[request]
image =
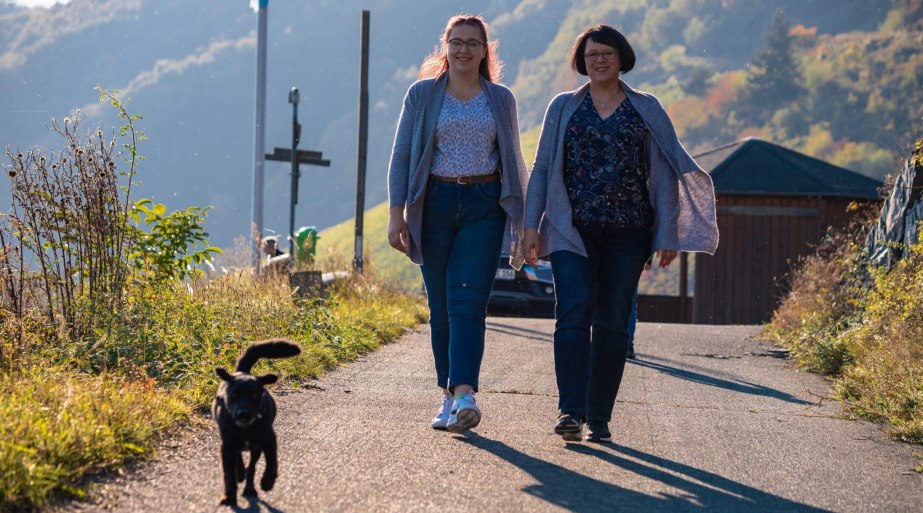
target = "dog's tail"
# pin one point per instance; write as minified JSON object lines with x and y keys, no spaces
{"x":274,"y":348}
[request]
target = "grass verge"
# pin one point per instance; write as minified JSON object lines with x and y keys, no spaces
{"x":862,"y":328}
{"x":76,"y":408}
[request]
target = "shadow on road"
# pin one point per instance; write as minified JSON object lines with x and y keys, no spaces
{"x":254,"y":506}
{"x":709,"y":491}
{"x":518,"y":331}
{"x":579,"y":493}
{"x":734,"y":386}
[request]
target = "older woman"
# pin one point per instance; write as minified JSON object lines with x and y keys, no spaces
{"x":456,"y":192}
{"x":610,"y":185}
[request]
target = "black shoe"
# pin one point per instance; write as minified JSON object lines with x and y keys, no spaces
{"x":598,"y":432}
{"x":631,"y":352}
{"x":569,"y":427}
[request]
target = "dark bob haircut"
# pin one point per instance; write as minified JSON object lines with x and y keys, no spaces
{"x":604,"y":35}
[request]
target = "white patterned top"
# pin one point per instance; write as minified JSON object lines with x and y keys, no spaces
{"x":466,"y":138}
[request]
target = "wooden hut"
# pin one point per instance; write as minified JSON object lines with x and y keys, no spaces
{"x":774,"y":205}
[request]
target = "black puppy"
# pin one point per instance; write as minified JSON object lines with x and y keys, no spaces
{"x":245,"y":411}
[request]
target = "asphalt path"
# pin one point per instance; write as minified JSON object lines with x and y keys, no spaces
{"x":709,"y":418}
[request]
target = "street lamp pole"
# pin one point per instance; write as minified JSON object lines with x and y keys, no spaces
{"x":259,"y":135}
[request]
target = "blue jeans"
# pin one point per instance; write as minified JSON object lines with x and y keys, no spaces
{"x":593,"y":305}
{"x":462,"y":233}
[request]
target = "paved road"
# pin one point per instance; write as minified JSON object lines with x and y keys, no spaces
{"x":710,"y":418}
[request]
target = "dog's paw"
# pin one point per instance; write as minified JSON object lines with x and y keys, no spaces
{"x":228,"y":501}
{"x":267,"y":482}
{"x":250,"y":492}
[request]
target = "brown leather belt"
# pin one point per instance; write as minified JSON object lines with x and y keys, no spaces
{"x":468,"y":180}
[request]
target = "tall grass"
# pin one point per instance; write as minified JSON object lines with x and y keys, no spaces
{"x":863,"y":328}
{"x":825,"y":300}
{"x":885,"y":379}
{"x":391,"y":266}
{"x":60,"y":426}
{"x":89,"y":404}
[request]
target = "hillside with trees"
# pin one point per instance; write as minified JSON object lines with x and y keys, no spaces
{"x":843,"y":84}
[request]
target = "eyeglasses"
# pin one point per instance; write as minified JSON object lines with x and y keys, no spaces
{"x":472,"y":44}
{"x":607,"y":55}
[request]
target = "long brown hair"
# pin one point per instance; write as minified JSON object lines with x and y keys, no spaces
{"x":436,"y":63}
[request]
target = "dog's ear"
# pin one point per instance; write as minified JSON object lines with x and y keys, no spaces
{"x":223,"y":374}
{"x":268,"y":379}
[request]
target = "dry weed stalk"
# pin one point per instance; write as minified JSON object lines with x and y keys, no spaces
{"x":68,"y":222}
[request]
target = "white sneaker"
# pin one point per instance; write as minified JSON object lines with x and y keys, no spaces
{"x":442,"y":417}
{"x":465,"y":414}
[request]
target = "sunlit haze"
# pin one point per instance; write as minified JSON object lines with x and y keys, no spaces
{"x":37,"y":3}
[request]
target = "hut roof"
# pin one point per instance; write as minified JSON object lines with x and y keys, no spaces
{"x":754,"y":166}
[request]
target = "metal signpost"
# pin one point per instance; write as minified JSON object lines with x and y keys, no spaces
{"x":314,"y":158}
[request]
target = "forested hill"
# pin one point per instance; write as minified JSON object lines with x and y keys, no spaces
{"x":841,"y":81}
{"x":838,"y":80}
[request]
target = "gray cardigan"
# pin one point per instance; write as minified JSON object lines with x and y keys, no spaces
{"x":681,"y":193}
{"x":412,"y":154}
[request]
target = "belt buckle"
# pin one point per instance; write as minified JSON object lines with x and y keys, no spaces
{"x":460,"y":180}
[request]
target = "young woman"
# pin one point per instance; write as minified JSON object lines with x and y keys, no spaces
{"x":456,"y":184}
{"x":611,"y":184}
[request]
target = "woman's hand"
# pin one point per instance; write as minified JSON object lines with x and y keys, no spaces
{"x":530,"y":245}
{"x":666,"y":256}
{"x":398,"y":235}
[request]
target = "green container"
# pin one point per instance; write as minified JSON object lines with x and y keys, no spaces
{"x":305,"y":244}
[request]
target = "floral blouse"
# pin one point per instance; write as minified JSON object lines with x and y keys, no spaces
{"x":604,"y":169}
{"x":466,"y":138}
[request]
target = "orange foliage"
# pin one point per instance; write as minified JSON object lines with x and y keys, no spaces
{"x":801,"y":31}
{"x":726,"y":90}
{"x":687,"y":114}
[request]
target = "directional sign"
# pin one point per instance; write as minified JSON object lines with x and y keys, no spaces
{"x":314,"y":158}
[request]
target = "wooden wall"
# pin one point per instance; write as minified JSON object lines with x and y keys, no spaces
{"x":760,"y":237}
{"x":666,"y":309}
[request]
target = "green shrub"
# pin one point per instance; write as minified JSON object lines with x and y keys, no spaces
{"x":887,"y":379}
{"x":870,"y":340}
{"x":171,"y":249}
{"x":825,"y":299}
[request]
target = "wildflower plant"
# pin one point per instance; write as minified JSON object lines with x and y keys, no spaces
{"x":75,"y":236}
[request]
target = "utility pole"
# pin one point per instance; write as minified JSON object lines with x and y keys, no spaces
{"x":363,"y":136}
{"x":259,"y":145}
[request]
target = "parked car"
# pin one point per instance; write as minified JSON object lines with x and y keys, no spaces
{"x":528,"y":291}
